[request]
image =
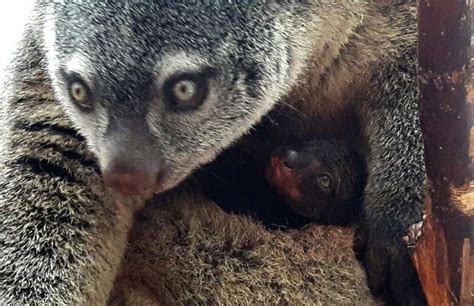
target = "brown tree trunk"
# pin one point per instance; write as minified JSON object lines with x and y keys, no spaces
{"x":444,"y":255}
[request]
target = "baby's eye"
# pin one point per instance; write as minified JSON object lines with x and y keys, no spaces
{"x":325,"y":181}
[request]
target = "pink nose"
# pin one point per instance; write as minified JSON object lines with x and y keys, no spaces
{"x":129,"y":182}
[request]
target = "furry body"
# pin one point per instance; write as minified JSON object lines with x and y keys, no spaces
{"x":60,"y":219}
{"x":60,"y":226}
{"x":188,"y":251}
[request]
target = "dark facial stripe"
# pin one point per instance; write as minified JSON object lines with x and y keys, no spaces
{"x":72,"y":155}
{"x":50,"y":128}
{"x":41,"y":166}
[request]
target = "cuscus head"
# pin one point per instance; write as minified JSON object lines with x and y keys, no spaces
{"x":322,"y":179}
{"x":159,"y":88}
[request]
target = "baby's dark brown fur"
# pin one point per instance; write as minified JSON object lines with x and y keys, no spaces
{"x":322,"y":180}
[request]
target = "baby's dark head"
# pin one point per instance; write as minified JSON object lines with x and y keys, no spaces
{"x":322,"y":180}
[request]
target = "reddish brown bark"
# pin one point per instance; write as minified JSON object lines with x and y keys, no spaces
{"x":444,"y":256}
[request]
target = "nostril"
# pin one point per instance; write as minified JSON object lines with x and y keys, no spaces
{"x":290,"y":158}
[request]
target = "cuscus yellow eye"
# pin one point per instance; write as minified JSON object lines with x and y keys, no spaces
{"x":186,"y":92}
{"x":80,"y":94}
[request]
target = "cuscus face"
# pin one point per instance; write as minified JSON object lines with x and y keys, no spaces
{"x":322,"y":180}
{"x":158,"y":88}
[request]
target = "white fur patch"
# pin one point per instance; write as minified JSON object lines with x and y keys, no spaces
{"x":49,"y":37}
{"x":171,"y":64}
{"x":81,"y":65}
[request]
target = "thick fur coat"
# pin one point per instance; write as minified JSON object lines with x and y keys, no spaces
{"x":276,"y":70}
{"x":185,"y":250}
